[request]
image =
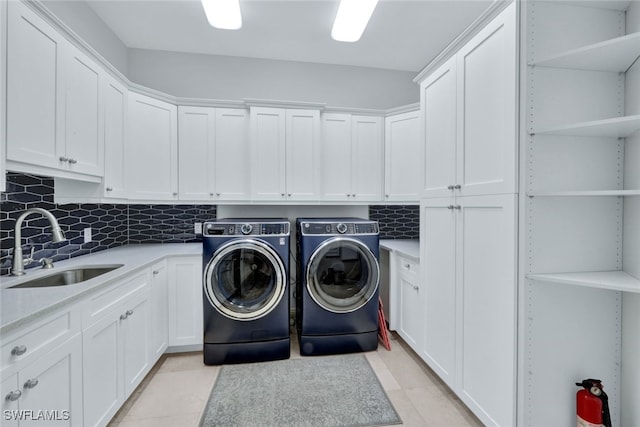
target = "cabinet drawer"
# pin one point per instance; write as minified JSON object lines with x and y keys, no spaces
{"x":408,"y":266}
{"x":104,"y":302}
{"x":39,"y":338}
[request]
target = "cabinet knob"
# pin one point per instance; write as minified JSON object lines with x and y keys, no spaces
{"x":457,"y":207}
{"x":348,"y":195}
{"x":123,"y":317}
{"x":109,"y":189}
{"x":13,"y":396}
{"x":218,"y":194}
{"x":353,"y":195}
{"x":72,"y":161}
{"x":457,"y":187}
{"x":63,"y":159}
{"x":18,"y":350}
{"x":450,"y":207}
{"x":407,"y":266}
{"x":289,"y":195}
{"x":210,"y":194}
{"x":282,"y":194}
{"x":174,"y":194}
{"x":450,"y":187}
{"x":129,"y":313}
{"x":415,"y":287}
{"x":32,"y":383}
{"x":386,"y":195}
{"x":155,"y":272}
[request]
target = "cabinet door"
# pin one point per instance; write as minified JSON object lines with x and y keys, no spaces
{"x":54,"y":383}
{"x":115,"y":116}
{"x":438,"y":108}
{"x":438,"y":260}
{"x":268,"y":153}
{"x":159,"y":307}
{"x":487,"y":109}
{"x":336,"y":157}
{"x":196,"y":139}
{"x":83,"y":122}
{"x":102,"y":359}
{"x":9,"y":387}
{"x":486,"y":245}
{"x":232,"y":164}
{"x":411,"y":311}
{"x":151,"y":160}
{"x":367,"y":165}
{"x":35,"y":89}
{"x":185,"y":301}
{"x":303,"y":154}
{"x":404,"y":156}
{"x":3,"y":94}
{"x":135,"y":339}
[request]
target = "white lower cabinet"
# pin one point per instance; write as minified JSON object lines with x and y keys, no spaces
{"x":159,"y":308}
{"x":116,"y":348}
{"x":468,"y":253}
{"x":411,"y":312}
{"x":185,"y":301}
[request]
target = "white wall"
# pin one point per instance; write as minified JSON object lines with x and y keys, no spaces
{"x":235,"y":78}
{"x":78,"y":16}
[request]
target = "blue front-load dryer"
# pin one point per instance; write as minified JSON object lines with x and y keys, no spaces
{"x":246,"y":290}
{"x":337,"y":285}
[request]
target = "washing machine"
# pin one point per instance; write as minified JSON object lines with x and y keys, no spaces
{"x":337,"y":285}
{"x":246,"y":290}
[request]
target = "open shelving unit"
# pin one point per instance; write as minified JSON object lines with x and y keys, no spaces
{"x":580,"y":209}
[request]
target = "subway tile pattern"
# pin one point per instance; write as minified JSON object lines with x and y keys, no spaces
{"x":167,"y":223}
{"x":108,"y":222}
{"x":397,"y":221}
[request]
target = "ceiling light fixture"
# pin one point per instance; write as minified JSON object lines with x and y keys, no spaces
{"x":223,"y":14}
{"x":351,"y":19}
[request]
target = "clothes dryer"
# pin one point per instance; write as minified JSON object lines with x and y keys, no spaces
{"x":246,"y":290}
{"x":337,"y":285}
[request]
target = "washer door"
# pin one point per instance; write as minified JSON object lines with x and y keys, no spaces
{"x":245,"y":279}
{"x":342,"y":275}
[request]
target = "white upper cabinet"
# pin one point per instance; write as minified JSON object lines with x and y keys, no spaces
{"x":115,"y":121}
{"x":53,"y":84}
{"x":284,"y":154}
{"x":151,"y":150}
{"x":471,"y":99}
{"x":213,"y":153}
{"x":352,"y":158}
{"x":404,"y":156}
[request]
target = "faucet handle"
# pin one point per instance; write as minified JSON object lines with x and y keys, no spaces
{"x":29,"y":259}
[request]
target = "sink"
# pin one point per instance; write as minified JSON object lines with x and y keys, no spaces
{"x":68,"y":277}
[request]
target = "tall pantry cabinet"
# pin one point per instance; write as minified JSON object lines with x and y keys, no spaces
{"x":468,"y":215}
{"x":580,"y":208}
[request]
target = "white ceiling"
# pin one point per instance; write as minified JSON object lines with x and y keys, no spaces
{"x":401,"y":35}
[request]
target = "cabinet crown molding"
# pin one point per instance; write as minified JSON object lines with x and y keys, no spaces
{"x":251,"y":102}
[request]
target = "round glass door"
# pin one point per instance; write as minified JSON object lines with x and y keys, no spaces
{"x":245,"y":279}
{"x":342,"y":275}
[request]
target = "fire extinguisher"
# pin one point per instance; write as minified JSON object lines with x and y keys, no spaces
{"x":592,"y":404}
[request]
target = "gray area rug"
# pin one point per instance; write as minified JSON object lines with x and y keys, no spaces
{"x":316,"y":391}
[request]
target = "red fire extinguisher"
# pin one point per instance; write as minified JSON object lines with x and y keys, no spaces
{"x":592,"y":404}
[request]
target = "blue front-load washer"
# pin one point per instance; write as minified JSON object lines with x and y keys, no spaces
{"x":246,"y":291}
{"x":337,"y":285}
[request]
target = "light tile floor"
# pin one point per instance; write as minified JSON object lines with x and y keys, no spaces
{"x":176,"y":390}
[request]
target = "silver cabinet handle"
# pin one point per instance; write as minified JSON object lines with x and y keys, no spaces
{"x":353,"y":195}
{"x":210,"y":194}
{"x":63,"y":159}
{"x":450,"y":207}
{"x":415,"y":287}
{"x":457,"y":207}
{"x":72,"y":161}
{"x":218,"y":194}
{"x":109,"y":189}
{"x":450,"y":187}
{"x":13,"y":396}
{"x":123,"y":317}
{"x":348,"y":195}
{"x":129,"y":313}
{"x":282,"y":194}
{"x":407,"y":266}
{"x":155,"y":272}
{"x":18,"y":350}
{"x":289,"y":194}
{"x":32,"y":383}
{"x":174,"y":194}
{"x":457,"y":187}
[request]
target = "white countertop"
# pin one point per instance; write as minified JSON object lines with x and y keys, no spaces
{"x":20,"y":306}
{"x":408,"y":247}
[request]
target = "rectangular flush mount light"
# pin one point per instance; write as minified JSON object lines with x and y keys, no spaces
{"x":352,"y":19}
{"x":223,"y":14}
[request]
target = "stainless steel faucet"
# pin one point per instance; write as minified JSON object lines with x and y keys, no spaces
{"x":17,"y":267}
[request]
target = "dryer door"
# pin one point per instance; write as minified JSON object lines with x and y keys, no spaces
{"x":342,"y":275}
{"x":245,"y":279}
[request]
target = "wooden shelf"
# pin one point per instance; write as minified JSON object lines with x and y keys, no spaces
{"x":613,"y":280}
{"x":614,"y":55}
{"x":619,"y":127}
{"x":604,"y":193}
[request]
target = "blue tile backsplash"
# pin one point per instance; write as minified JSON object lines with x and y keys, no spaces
{"x":114,"y":225}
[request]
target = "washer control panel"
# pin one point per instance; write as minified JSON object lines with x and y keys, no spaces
{"x":309,"y":228}
{"x":245,"y":228}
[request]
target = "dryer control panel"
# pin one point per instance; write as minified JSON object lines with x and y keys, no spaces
{"x":246,"y":228}
{"x":311,"y":228}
